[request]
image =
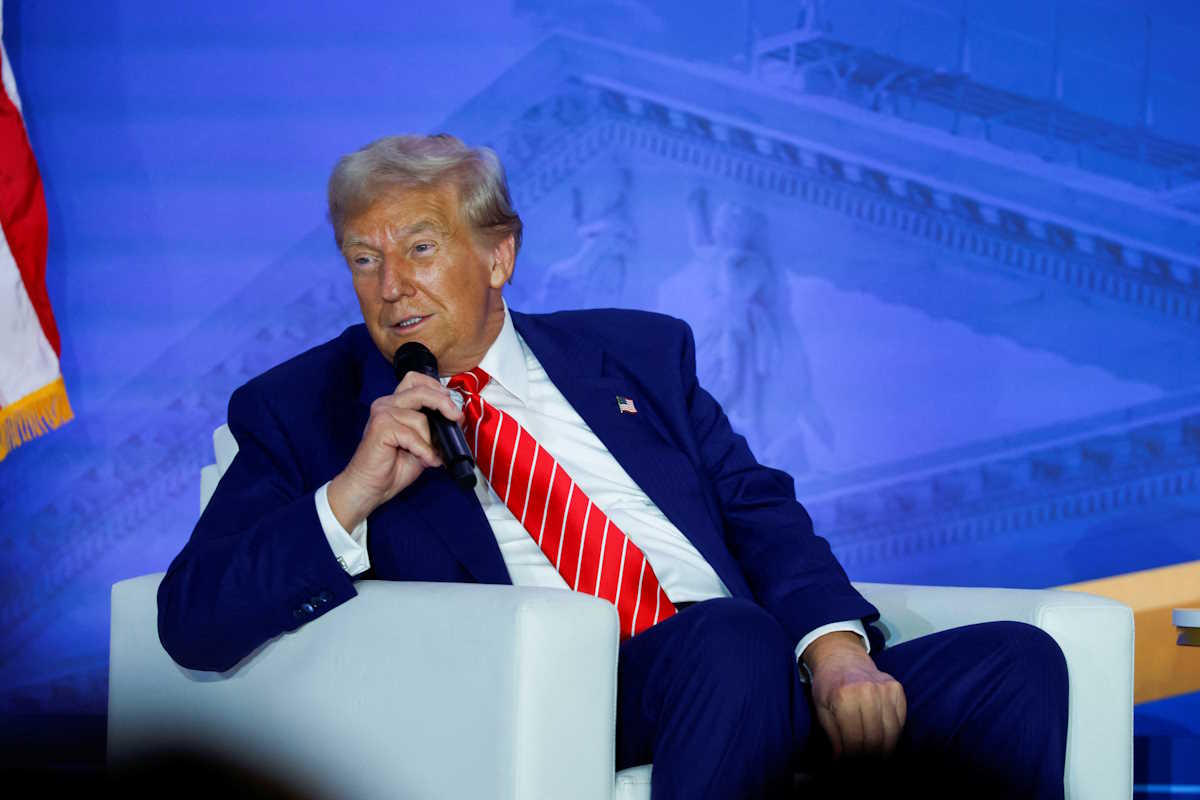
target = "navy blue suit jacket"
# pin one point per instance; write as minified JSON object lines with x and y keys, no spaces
{"x":258,"y":563}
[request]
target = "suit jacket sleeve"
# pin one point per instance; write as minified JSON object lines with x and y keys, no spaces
{"x":791,"y":570}
{"x":257,"y":563}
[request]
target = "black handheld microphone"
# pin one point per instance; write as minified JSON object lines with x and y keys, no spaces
{"x":416,"y":357}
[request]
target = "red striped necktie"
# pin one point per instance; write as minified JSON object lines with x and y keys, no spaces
{"x":591,"y":553}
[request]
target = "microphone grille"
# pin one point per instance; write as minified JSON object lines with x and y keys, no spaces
{"x":412,"y":356}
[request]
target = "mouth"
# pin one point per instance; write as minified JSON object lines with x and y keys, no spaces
{"x":407,"y":325}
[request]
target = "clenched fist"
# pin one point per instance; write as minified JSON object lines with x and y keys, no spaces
{"x":395,"y":449}
{"x":861,"y":709}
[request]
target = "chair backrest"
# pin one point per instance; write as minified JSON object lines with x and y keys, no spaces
{"x":225,"y":447}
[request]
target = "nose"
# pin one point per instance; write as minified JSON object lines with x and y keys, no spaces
{"x":394,"y":281}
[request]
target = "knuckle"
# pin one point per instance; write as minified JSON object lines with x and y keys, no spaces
{"x":422,"y":394}
{"x":852,"y":693}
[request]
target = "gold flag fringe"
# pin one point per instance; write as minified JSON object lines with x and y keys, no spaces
{"x":33,"y":415}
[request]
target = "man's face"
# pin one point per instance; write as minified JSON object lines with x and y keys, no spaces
{"x":421,"y":275}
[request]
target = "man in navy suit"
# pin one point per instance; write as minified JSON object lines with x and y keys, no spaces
{"x":336,"y":480}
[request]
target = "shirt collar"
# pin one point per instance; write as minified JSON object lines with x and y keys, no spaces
{"x":505,"y":360}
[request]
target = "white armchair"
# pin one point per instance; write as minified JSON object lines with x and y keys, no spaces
{"x":439,"y":690}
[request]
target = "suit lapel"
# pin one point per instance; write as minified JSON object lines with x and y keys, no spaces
{"x":452,"y":513}
{"x":641,"y":443}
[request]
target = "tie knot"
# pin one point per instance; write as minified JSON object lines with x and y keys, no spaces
{"x":471,"y":382}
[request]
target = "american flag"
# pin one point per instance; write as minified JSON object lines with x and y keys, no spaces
{"x":626,"y":405}
{"x":32,"y":396}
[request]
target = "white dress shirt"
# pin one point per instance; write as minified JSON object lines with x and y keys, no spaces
{"x":520,"y":388}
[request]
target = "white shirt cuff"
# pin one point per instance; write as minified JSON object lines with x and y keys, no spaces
{"x":852,"y":625}
{"x":350,"y":549}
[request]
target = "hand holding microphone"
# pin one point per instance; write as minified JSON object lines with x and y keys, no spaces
{"x":416,"y":357}
{"x":398,"y":442}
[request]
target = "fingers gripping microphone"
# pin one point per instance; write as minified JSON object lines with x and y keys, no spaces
{"x":416,"y":357}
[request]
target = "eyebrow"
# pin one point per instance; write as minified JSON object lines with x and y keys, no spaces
{"x":420,"y":226}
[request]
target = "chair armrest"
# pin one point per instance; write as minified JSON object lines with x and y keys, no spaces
{"x":432,"y":690}
{"x":1096,"y":637}
{"x":210,"y":476}
{"x":225,"y":447}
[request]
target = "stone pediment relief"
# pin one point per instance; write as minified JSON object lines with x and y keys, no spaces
{"x":620,"y":127}
{"x":586,"y":101}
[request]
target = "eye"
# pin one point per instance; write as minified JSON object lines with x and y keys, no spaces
{"x":362,"y":261}
{"x":423,"y":248}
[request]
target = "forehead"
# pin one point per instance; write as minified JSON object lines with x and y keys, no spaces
{"x":399,"y":212}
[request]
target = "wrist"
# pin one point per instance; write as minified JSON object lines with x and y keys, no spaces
{"x":349,"y":505}
{"x":836,"y":646}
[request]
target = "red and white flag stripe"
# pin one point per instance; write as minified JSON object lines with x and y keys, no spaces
{"x":32,"y":396}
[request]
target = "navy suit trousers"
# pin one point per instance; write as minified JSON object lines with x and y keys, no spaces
{"x":713,"y":697}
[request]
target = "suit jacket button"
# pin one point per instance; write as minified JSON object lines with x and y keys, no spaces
{"x":324,"y":597}
{"x":307,"y":608}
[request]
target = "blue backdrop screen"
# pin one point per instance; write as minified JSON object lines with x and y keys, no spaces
{"x":942,"y":260}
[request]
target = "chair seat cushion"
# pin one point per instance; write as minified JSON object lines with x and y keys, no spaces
{"x":634,"y":783}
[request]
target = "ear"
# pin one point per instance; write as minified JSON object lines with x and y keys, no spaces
{"x":504,"y":256}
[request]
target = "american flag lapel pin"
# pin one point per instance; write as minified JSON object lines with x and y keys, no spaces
{"x":625,"y":405}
